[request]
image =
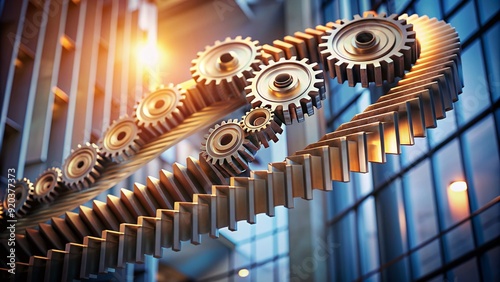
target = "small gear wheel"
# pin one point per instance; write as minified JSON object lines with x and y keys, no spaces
{"x":161,"y":110}
{"x":372,"y":48}
{"x":262,"y":125}
{"x":47,"y":186}
{"x":20,"y":201}
{"x":221,"y":71}
{"x":121,"y":140}
{"x":226,"y":147}
{"x":290,"y":88}
{"x":82,"y":167}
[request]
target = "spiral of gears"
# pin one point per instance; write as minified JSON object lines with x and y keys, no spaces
{"x":290,"y":88}
{"x":21,"y":201}
{"x":161,"y":110}
{"x":261,"y":125}
{"x":226,"y":147}
{"x":222,"y":69}
{"x":372,"y":48}
{"x":47,"y":186}
{"x":82,"y":167}
{"x":121,"y":140}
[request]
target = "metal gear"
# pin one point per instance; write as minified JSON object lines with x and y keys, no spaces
{"x":82,"y":167}
{"x":372,"y":48}
{"x":290,"y":88}
{"x":262,"y":125}
{"x":161,"y":110}
{"x":226,"y":147}
{"x":221,"y":71}
{"x":122,"y":139}
{"x":47,"y":186}
{"x":22,"y":201}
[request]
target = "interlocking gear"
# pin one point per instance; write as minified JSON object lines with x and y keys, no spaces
{"x":161,"y":110}
{"x":221,"y":71}
{"x":262,"y":125}
{"x":22,"y":201}
{"x":47,"y":186}
{"x":122,"y":139}
{"x":82,"y":167}
{"x":372,"y":48}
{"x":290,"y":88}
{"x":226,"y":147}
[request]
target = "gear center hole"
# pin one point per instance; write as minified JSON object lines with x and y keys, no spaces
{"x":121,"y":136}
{"x":79,"y":164}
{"x":226,"y":58}
{"x":19,"y":196}
{"x":365,"y":38}
{"x":159,"y":104}
{"x":283,"y":80}
{"x":226,"y":139}
{"x":258,"y":119}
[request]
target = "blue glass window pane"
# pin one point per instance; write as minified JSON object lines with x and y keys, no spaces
{"x":475,"y":97}
{"x":265,"y":225}
{"x":420,"y":206}
{"x":368,"y":237}
{"x":426,"y":259}
{"x":342,"y":196}
{"x":464,"y":22}
{"x":265,"y":272}
{"x":429,"y":8}
{"x":445,"y":127}
{"x":459,"y":241}
{"x":454,"y":206}
{"x":488,"y":8}
{"x":344,"y":257}
{"x":450,"y":4}
{"x":282,"y":238}
{"x":412,"y":153}
{"x":492,"y":43}
{"x":483,"y":159}
{"x":400,"y":5}
{"x":265,"y":247}
{"x":490,"y":223}
{"x":363,"y":182}
{"x":492,"y":272}
{"x":466,"y":271}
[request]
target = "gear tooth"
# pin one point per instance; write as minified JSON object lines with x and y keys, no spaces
{"x":357,"y":17}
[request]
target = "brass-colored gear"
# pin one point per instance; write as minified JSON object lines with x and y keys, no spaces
{"x":262,"y":125}
{"x":47,"y":186}
{"x":161,"y":110}
{"x":221,"y":71}
{"x":22,"y":201}
{"x":226,"y":147}
{"x":122,"y":139}
{"x":372,"y":48}
{"x":82,"y":167}
{"x":290,"y":88}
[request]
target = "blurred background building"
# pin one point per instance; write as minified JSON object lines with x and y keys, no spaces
{"x":70,"y":67}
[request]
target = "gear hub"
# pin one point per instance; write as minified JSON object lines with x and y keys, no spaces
{"x":372,"y":48}
{"x":121,"y":140}
{"x":82,"y":167}
{"x":226,"y":147}
{"x":261,"y":125}
{"x":47,"y":186}
{"x":290,"y":88}
{"x":221,"y":71}
{"x":160,"y":111}
{"x":22,"y":201}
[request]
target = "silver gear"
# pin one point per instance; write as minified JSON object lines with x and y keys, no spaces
{"x":161,"y":110}
{"x":290,"y":88}
{"x":82,"y":167}
{"x":22,"y":201}
{"x":47,"y":186}
{"x":226,"y":147}
{"x":372,"y":48}
{"x":121,"y":140}
{"x":221,"y":71}
{"x":261,"y":124}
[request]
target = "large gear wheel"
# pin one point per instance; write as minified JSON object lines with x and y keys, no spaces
{"x":22,"y":201}
{"x":82,"y":167}
{"x":372,"y":48}
{"x":161,"y":110}
{"x":262,"y":125}
{"x":47,"y":186}
{"x":226,"y":147}
{"x":221,"y":71}
{"x":122,"y":139}
{"x":290,"y":88}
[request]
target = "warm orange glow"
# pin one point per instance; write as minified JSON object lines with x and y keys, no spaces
{"x":67,"y":42}
{"x":243,"y":272}
{"x":458,"y":186}
{"x":148,"y":55}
